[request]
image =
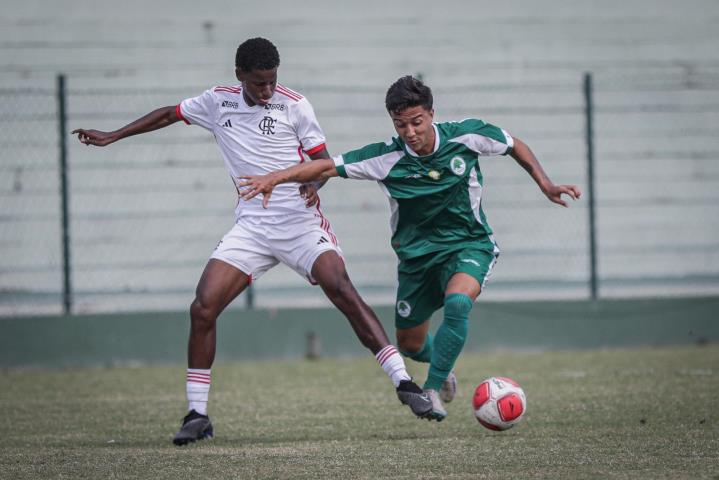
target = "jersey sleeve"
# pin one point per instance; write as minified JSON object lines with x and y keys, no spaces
{"x":201,"y":110}
{"x":483,"y":138}
{"x":371,"y":162}
{"x":308,"y":128}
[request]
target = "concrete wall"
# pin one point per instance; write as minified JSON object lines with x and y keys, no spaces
{"x":266,"y":334}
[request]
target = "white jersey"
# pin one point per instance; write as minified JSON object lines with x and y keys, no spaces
{"x":258,"y":140}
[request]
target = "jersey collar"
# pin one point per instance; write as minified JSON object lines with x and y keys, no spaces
{"x":254,"y":108}
{"x":436,"y":144}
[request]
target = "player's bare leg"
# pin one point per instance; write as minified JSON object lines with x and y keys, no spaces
{"x":412,"y":341}
{"x":219,"y":285}
{"x":330,"y":273}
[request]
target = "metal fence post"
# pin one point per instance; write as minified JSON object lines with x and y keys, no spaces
{"x":589,"y":113}
{"x":249,"y":297}
{"x":64,"y":194}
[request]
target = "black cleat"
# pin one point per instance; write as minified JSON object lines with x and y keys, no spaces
{"x":410,"y":394}
{"x":195,"y":426}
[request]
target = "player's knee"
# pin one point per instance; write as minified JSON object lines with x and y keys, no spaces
{"x":456,"y":308}
{"x":410,"y":347}
{"x":410,"y":344}
{"x":341,"y":290}
{"x":201,"y":314}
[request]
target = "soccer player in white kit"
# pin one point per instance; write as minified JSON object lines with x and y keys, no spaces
{"x":262,"y":126}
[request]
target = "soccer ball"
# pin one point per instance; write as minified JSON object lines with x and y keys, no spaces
{"x":499,"y":403}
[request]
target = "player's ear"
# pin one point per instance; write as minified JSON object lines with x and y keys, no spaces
{"x":431,"y":113}
{"x":240,"y":75}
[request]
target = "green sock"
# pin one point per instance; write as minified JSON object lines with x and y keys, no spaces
{"x":449,"y":340}
{"x":424,"y":355}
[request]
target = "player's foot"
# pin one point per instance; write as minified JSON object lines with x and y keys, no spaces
{"x":195,"y":426}
{"x":410,"y":394}
{"x":449,"y":388}
{"x":438,"y":412}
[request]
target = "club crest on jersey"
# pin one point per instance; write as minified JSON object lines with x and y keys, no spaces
{"x":434,"y":174}
{"x":267,"y":125}
{"x":403,"y":308}
{"x":457,"y":165}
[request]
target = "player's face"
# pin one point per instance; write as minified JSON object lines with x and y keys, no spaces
{"x":414,"y":126}
{"x":258,"y":86}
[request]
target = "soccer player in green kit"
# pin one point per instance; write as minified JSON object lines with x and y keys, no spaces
{"x":446,"y":249}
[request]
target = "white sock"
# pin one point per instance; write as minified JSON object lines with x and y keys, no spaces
{"x":198,"y":389}
{"x":393,"y":364}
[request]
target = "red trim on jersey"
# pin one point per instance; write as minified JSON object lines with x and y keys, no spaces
{"x":178,"y":112}
{"x":288,"y":93}
{"x":228,"y":89}
{"x":299,"y":152}
{"x":325,"y":224}
{"x":316,"y":149}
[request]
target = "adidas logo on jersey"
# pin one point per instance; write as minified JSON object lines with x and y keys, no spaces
{"x":228,"y":123}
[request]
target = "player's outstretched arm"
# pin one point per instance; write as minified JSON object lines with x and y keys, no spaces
{"x":525,"y":157}
{"x":154,"y":120}
{"x":252,"y":186}
{"x":308,"y":191}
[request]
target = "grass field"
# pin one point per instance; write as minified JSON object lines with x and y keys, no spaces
{"x":642,"y":413}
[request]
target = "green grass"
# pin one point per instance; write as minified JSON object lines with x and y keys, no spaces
{"x":641,"y":413}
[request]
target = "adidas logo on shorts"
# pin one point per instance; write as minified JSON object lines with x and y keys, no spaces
{"x":322,"y":240}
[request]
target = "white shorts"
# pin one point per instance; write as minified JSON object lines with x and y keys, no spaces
{"x":256,"y":244}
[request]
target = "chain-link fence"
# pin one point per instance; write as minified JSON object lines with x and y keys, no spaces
{"x":144,"y":214}
{"x":30,"y":207}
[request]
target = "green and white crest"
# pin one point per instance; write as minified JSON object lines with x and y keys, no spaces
{"x":403,"y":308}
{"x":457,"y":165}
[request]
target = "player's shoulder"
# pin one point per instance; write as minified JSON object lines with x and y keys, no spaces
{"x":228,"y":91}
{"x":288,"y":96}
{"x":225,"y":95}
{"x":374,"y":150}
{"x":461,"y":127}
{"x":214,"y":99}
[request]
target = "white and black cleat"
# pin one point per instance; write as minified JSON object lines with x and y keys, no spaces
{"x":411,"y":395}
{"x":195,"y":426}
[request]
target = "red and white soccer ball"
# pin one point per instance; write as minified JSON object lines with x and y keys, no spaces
{"x":499,"y":403}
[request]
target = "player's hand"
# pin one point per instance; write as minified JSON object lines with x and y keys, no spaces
{"x":308,"y":191}
{"x":253,"y":185}
{"x":94,"y":137}
{"x":555,"y":192}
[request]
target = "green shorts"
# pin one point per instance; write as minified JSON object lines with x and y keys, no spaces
{"x":423,"y":280}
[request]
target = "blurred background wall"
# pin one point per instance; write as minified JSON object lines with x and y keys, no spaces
{"x":146,"y":213}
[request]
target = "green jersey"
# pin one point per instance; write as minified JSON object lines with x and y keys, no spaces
{"x":436,"y":200}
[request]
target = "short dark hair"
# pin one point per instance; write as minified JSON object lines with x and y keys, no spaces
{"x":257,"y":54}
{"x":408,"y":92}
